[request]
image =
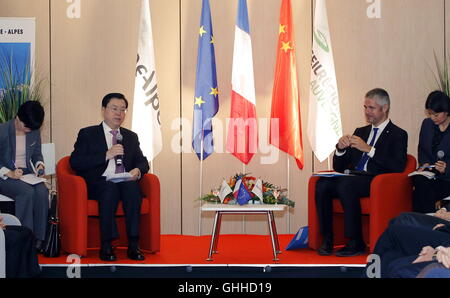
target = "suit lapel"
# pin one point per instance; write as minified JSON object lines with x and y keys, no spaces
{"x":101,"y":136}
{"x":386,"y":132}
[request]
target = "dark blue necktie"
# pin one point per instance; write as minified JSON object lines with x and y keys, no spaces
{"x":362,"y":162}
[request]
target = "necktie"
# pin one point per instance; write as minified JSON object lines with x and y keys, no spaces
{"x":362,"y":162}
{"x":119,"y":168}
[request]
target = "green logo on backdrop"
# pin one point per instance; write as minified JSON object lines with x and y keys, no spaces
{"x":321,"y":40}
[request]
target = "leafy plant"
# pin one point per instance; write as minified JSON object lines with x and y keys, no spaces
{"x":442,"y":77}
{"x":18,"y":87}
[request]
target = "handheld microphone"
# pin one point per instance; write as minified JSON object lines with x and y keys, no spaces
{"x":119,"y":158}
{"x":440,"y":155}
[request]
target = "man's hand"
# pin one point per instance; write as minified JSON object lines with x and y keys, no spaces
{"x":443,"y":256}
{"x":135,"y":173}
{"x":16,"y":174}
{"x":358,"y":143}
{"x":344,"y":142}
{"x":114,"y":151}
{"x":422,"y":168}
{"x":441,"y":213}
{"x":2,"y":224}
{"x":440,"y":166}
{"x":425,"y":255}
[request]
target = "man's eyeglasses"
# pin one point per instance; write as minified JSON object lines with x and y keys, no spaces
{"x":117,"y":110}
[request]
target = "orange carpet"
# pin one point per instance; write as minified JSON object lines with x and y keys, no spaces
{"x":233,"y":249}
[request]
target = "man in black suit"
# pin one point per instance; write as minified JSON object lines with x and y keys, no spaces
{"x":380,"y":147}
{"x":96,"y":154}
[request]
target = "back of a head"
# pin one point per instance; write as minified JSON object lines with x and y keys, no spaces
{"x":438,"y":101}
{"x":380,"y":95}
{"x":32,"y":114}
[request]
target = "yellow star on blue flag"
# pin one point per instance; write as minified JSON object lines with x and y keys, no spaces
{"x":206,"y":103}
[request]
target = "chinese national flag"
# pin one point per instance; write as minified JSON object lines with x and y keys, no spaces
{"x":287,"y":136}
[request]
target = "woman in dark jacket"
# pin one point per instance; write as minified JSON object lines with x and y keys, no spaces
{"x":434,"y":154}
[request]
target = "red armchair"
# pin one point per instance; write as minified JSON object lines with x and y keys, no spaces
{"x":390,"y":194}
{"x":79,"y":224}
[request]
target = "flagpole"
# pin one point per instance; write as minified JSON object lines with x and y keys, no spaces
{"x":288,"y":218}
{"x":200,"y":191}
{"x":243,"y":216}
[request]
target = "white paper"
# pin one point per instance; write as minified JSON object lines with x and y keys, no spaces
{"x":119,"y":177}
{"x":429,"y":175}
{"x":330,"y":174}
{"x":32,"y":179}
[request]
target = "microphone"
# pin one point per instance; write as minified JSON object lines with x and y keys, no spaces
{"x":440,"y":155}
{"x":119,"y":158}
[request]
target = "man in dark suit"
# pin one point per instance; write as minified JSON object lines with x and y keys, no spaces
{"x":96,"y":155}
{"x":380,"y":147}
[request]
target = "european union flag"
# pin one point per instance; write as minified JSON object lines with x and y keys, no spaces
{"x":206,"y":102}
{"x":243,"y":195}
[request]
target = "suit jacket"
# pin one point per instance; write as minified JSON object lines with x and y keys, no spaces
{"x":390,"y":153}
{"x":425,"y":152}
{"x":88,"y":158}
{"x":8,"y":146}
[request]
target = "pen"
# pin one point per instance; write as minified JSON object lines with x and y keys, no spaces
{"x":427,"y":167}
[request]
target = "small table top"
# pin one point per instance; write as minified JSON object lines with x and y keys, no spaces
{"x":243,"y":208}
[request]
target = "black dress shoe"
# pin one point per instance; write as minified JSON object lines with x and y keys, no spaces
{"x":107,"y":254}
{"x":135,"y":254}
{"x":352,"y":248}
{"x":326,"y":249}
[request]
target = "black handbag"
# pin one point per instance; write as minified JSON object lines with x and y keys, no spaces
{"x":52,"y":244}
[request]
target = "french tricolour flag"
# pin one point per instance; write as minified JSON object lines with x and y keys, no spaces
{"x":242,"y":137}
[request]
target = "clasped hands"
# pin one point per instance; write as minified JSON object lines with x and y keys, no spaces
{"x":441,"y":253}
{"x":118,"y":150}
{"x":353,"y":142}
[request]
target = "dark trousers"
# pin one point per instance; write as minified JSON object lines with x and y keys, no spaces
{"x":349,"y":190}
{"x":427,"y":192}
{"x":404,"y":240}
{"x":108,"y":195}
{"x":20,"y":250}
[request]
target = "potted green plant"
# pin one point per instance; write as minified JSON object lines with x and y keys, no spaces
{"x":18,"y":85}
{"x":441,"y":77}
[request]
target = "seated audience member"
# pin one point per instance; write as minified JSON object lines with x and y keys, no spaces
{"x":95,"y":156}
{"x":407,"y":236}
{"x":20,"y":251}
{"x":377,"y":148}
{"x":20,"y":152}
{"x":434,"y":150}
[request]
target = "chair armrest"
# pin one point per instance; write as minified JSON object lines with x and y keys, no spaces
{"x":151,"y":189}
{"x":390,"y":195}
{"x":72,"y":200}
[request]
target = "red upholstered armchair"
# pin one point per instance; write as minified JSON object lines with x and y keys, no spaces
{"x":79,"y":224}
{"x":390,"y":194}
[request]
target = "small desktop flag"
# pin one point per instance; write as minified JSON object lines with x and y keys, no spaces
{"x":243,"y":195}
{"x":258,"y":190}
{"x":206,"y":103}
{"x":225,"y":190}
